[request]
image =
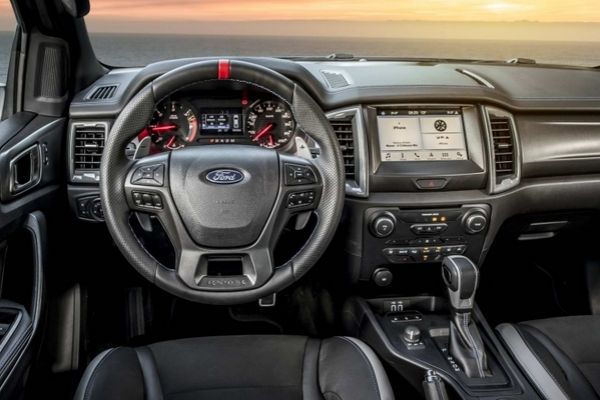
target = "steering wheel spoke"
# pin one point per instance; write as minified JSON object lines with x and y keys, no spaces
{"x":225,"y":270}
{"x":146,"y":184}
{"x":301,"y":184}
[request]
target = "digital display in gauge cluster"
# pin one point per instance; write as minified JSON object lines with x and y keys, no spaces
{"x":229,"y":121}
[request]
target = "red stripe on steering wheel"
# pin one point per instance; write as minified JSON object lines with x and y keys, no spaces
{"x":224,"y":71}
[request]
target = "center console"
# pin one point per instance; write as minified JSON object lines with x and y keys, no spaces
{"x":445,"y":336}
{"x":420,"y":152}
{"x":423,"y":232}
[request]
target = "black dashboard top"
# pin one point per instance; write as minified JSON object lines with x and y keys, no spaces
{"x":336,"y":84}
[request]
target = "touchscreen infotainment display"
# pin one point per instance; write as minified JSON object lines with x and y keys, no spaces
{"x":421,"y":134}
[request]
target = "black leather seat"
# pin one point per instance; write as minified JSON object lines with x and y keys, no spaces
{"x":238,"y":367}
{"x":561,"y":356}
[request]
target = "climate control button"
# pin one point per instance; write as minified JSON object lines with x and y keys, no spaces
{"x":428,"y":229}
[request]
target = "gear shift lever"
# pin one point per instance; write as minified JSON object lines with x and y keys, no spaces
{"x":461,"y":277}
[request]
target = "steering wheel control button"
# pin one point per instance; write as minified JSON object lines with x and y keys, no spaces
{"x":137,"y":198}
{"x":299,"y":175}
{"x":149,"y":175}
{"x":147,"y":200}
{"x":382,"y":277}
{"x":157,"y":201}
{"x":301,"y":199}
{"x":383,"y":225}
{"x":428,"y":229}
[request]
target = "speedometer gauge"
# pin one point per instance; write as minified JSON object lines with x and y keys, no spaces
{"x":270,"y":124}
{"x":174,"y":125}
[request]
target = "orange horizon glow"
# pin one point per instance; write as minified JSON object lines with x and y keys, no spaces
{"x":543,"y":20}
{"x":344,"y":10}
{"x":350,"y":10}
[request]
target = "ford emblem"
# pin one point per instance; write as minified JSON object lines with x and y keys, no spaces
{"x":224,"y":176}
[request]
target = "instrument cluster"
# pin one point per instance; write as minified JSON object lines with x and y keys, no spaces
{"x":234,"y":117}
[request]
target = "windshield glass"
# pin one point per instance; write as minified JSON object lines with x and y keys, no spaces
{"x":137,"y":32}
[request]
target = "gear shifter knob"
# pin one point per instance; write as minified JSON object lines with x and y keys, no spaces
{"x":461,"y":277}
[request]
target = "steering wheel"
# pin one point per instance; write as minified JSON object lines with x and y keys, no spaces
{"x":222,"y":204}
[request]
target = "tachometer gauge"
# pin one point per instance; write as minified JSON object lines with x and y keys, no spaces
{"x":174,"y":125}
{"x":270,"y":124}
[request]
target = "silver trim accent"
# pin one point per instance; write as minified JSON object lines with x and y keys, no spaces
{"x":360,"y":186}
{"x":508,"y":182}
{"x":570,"y":123}
{"x":36,"y":170}
{"x":381,"y":378}
{"x":477,"y":78}
{"x":530,"y":363}
{"x":71,"y":148}
{"x":454,"y":296}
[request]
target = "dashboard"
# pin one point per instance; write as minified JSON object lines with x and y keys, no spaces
{"x":217,"y":116}
{"x":437,"y":155}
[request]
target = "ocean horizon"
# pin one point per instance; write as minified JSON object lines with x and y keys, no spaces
{"x":126,"y":50}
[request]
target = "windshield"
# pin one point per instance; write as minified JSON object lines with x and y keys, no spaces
{"x":137,"y":32}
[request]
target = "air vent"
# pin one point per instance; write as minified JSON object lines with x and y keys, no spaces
{"x":502,"y":138}
{"x":88,"y":143}
{"x":505,"y":150}
{"x":103,"y":92}
{"x":335,"y":80}
{"x":345,"y":135}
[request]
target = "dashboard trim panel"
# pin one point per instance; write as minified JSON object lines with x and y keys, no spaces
{"x":507,"y":183}
{"x":360,"y":187}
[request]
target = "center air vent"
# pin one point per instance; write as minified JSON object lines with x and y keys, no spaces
{"x":87,"y":146}
{"x":102,"y":92}
{"x":348,"y":126}
{"x":345,"y":136}
{"x":504,"y":148}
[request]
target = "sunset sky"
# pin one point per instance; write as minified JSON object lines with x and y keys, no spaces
{"x":374,"y":10}
{"x":530,"y":19}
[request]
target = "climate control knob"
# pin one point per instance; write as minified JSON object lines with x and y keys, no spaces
{"x":475,"y":222}
{"x":383,"y":225}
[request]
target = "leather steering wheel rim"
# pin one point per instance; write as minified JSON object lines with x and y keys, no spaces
{"x":116,"y":167}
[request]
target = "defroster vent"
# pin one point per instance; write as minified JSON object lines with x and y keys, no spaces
{"x":102,"y":92}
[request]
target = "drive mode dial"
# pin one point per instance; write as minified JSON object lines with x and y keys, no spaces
{"x":475,"y":222}
{"x":383,"y":225}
